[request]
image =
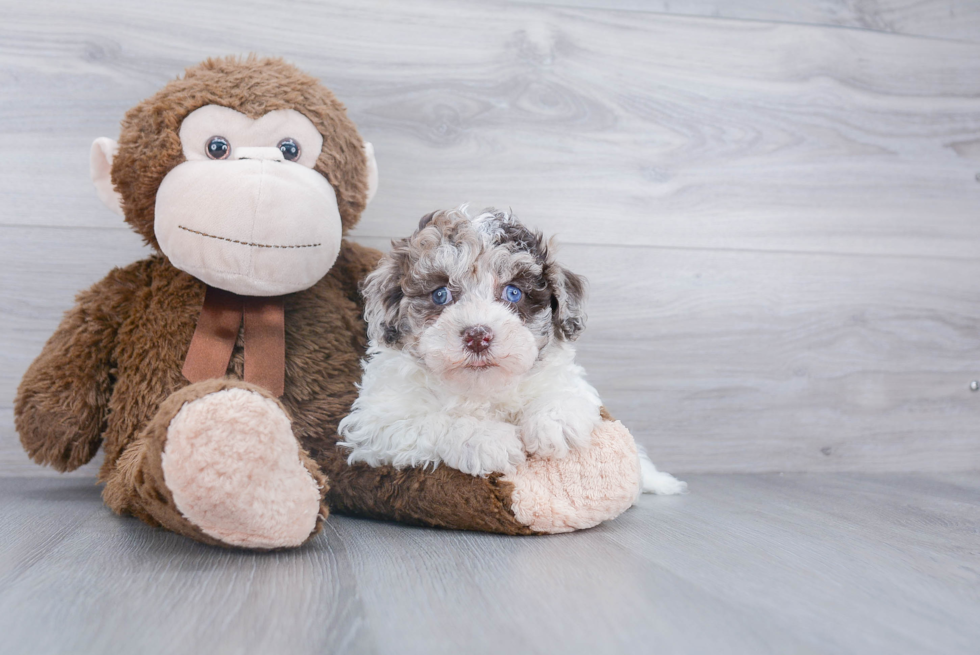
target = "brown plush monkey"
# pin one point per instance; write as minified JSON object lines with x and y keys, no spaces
{"x":215,"y":372}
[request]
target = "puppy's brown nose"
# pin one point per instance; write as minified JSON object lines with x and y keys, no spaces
{"x":477,"y":338}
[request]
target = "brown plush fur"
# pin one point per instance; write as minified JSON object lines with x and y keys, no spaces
{"x":136,"y":485}
{"x":111,"y":373}
{"x":149,"y":141}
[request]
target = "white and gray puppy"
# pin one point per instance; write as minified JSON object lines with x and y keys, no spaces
{"x":470,"y":362}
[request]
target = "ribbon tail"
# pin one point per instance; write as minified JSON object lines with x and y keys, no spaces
{"x":214,"y":337}
{"x":265,"y":343}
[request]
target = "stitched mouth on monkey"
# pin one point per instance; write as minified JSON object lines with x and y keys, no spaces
{"x":250,"y":216}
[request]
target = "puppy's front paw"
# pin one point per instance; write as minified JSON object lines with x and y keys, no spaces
{"x":551,"y":435}
{"x":544,"y":437}
{"x":494,"y":449}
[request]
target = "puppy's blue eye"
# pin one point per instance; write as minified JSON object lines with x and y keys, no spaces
{"x":512,"y":293}
{"x":441,"y":296}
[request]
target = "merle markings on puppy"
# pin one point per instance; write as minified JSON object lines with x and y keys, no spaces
{"x":471,"y":364}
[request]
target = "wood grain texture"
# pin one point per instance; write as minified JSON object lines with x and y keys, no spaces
{"x":822,"y":563}
{"x":614,"y":127}
{"x":712,"y":359}
{"x":779,"y":221}
{"x":941,"y":19}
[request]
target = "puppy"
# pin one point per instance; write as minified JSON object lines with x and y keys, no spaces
{"x":470,"y":362}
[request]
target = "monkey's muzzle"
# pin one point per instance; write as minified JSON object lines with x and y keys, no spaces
{"x":256,"y":227}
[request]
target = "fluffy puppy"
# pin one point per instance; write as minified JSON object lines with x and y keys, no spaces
{"x":470,"y":363}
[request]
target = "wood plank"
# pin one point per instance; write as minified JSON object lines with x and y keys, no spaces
{"x":113,"y":581}
{"x":579,"y":593}
{"x":743,"y":564}
{"x":717,"y":360}
{"x":38,"y":515}
{"x":742,"y":361}
{"x":902,"y":566}
{"x":941,"y":19}
{"x":612,"y":127}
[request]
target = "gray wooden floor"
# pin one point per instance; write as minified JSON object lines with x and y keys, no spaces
{"x":803,"y":563}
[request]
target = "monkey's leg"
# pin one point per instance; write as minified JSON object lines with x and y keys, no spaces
{"x":219,"y":463}
{"x":590,"y":485}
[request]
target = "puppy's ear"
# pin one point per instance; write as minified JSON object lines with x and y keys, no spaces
{"x":425,"y":220}
{"x":382,"y":291}
{"x":567,"y":300}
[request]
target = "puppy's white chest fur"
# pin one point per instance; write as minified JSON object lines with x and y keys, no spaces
{"x":470,"y":322}
{"x":408,"y":416}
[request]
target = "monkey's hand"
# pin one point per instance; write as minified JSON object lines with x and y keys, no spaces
{"x":62,"y":402}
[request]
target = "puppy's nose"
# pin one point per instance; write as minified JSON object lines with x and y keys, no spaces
{"x":477,"y":339}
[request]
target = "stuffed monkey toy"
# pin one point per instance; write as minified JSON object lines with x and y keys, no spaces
{"x":214,"y":372}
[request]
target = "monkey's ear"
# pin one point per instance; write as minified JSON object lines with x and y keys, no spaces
{"x":100,"y":163}
{"x":372,"y":166}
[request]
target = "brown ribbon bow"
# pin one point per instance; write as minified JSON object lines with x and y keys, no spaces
{"x":217,"y":330}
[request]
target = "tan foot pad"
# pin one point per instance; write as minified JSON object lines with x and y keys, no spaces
{"x":581,"y":490}
{"x":234,"y":469}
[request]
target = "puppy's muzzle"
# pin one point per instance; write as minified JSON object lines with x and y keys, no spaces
{"x":477,"y":339}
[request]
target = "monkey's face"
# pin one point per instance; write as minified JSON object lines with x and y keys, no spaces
{"x":246,"y":211}
{"x":244,"y":172}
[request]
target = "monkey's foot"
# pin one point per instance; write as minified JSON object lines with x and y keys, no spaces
{"x":235,"y":471}
{"x":219,"y":464}
{"x":588,"y":486}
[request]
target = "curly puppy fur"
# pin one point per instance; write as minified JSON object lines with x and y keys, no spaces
{"x":431,"y":394}
{"x":116,"y":358}
{"x":429,"y":398}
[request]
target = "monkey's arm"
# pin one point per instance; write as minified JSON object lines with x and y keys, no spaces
{"x":61,"y":404}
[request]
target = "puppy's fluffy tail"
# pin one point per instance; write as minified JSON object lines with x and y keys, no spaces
{"x":658,"y":482}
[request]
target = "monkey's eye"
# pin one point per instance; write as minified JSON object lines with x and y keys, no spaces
{"x":442,"y":296}
{"x":218,"y":147}
{"x":512,"y":293}
{"x":289,"y":149}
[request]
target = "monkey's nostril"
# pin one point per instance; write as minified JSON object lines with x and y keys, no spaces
{"x":477,"y":338}
{"x":261,"y":154}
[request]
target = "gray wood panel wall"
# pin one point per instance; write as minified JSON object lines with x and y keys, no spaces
{"x":780,"y":218}
{"x":944,"y":19}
